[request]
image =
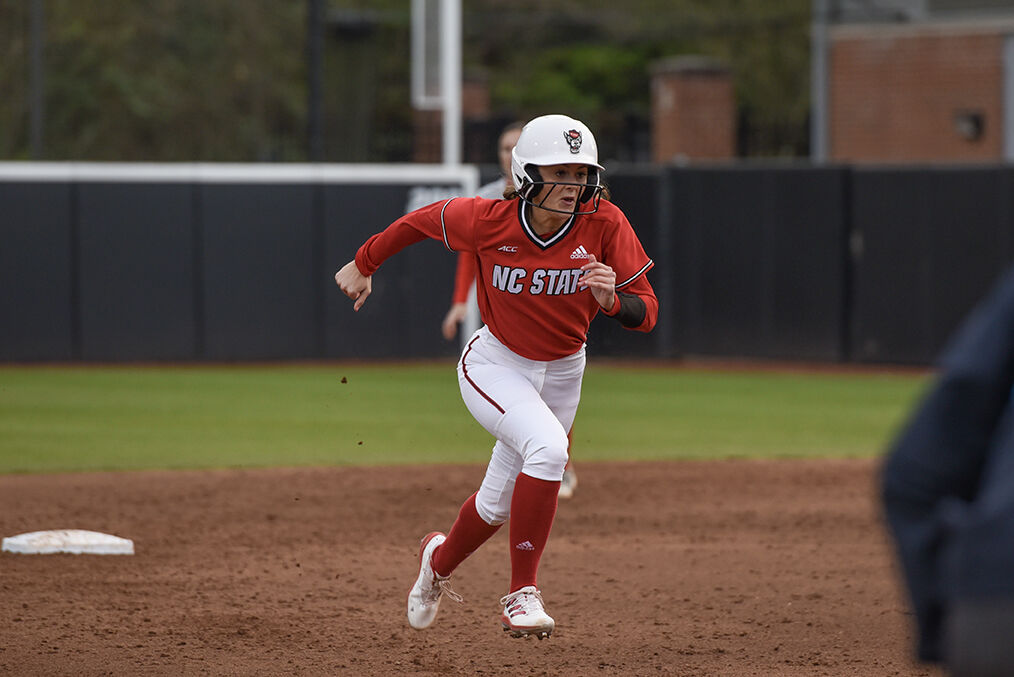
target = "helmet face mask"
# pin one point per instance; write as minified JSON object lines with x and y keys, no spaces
{"x":589,"y":192}
{"x":556,"y":140}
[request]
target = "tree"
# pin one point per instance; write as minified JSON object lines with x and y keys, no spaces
{"x":592,"y":57}
{"x":226,"y":80}
{"x":165,"y":80}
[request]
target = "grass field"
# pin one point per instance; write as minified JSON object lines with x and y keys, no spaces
{"x":55,"y":419}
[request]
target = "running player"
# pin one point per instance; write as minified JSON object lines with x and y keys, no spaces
{"x":464,"y":308}
{"x":549,"y":259}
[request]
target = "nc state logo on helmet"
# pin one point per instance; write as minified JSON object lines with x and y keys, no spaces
{"x":556,"y":140}
{"x":574,"y":140}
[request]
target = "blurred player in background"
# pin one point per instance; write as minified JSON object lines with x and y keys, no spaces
{"x":948,"y":489}
{"x":550,"y":257}
{"x":464,"y":310}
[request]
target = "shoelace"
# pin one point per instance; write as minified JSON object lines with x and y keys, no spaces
{"x":523,"y":601}
{"x":441,"y":586}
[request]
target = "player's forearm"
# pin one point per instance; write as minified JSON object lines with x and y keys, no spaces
{"x":637,"y":312}
{"x":386,"y":244}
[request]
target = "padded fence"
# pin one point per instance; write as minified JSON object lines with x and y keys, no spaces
{"x":840,"y":264}
{"x":760,"y":269}
{"x":37,"y":271}
{"x":176,"y":268}
{"x":927,"y":245}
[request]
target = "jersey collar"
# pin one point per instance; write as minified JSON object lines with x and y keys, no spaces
{"x":535,"y":237}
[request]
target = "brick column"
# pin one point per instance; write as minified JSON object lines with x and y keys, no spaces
{"x":693,"y":110}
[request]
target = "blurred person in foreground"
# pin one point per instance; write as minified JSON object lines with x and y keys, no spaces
{"x":948,"y":491}
{"x":464,"y":308}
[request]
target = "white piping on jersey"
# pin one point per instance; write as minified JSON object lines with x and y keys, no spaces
{"x":443,"y":225}
{"x":635,"y":275}
{"x":544,"y":244}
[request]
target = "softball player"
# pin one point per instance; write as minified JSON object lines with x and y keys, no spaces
{"x":464,"y":308}
{"x":548,"y":259}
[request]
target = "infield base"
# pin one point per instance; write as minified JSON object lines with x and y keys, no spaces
{"x":73,"y":541}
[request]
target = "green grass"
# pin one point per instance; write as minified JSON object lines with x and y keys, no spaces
{"x":121,"y":418}
{"x":660,"y":414}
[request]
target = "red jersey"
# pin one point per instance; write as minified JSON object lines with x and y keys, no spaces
{"x":528,"y":286}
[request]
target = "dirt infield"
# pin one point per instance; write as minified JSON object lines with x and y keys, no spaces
{"x":720,"y":568}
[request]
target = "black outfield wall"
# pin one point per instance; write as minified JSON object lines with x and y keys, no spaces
{"x":172,"y":268}
{"x":927,"y":244}
{"x":760,"y":268}
{"x":840,"y":264}
{"x":38,"y":248}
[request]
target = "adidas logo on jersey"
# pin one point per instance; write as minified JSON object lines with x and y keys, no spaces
{"x":579,"y":253}
{"x":527,"y":545}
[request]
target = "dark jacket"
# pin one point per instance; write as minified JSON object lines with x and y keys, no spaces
{"x":944,"y":503}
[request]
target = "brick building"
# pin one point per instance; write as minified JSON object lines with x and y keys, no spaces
{"x":929,"y":90}
{"x":693,"y":110}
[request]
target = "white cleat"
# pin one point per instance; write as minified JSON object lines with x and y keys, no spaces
{"x":524,"y":614}
{"x":424,"y":597}
{"x":568,"y":484}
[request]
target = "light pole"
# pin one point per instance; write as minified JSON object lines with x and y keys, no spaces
{"x":37,"y":97}
{"x":314,"y":112}
{"x":818,"y":82}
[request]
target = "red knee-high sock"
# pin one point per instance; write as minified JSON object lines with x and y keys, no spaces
{"x":467,"y":533}
{"x":533,"y":508}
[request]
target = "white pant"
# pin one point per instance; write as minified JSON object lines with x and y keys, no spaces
{"x":529,"y":406}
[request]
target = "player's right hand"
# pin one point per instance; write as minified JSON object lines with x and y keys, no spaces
{"x":354,"y":284}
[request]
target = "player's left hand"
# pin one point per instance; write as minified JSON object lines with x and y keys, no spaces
{"x":601,"y":279}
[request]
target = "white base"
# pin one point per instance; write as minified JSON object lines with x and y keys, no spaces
{"x":74,"y":541}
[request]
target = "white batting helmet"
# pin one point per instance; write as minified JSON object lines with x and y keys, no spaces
{"x":555,"y":140}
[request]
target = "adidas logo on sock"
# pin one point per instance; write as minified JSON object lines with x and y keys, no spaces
{"x":527,"y":545}
{"x":579,"y":253}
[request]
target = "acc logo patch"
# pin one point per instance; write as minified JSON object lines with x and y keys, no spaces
{"x":573,"y":138}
